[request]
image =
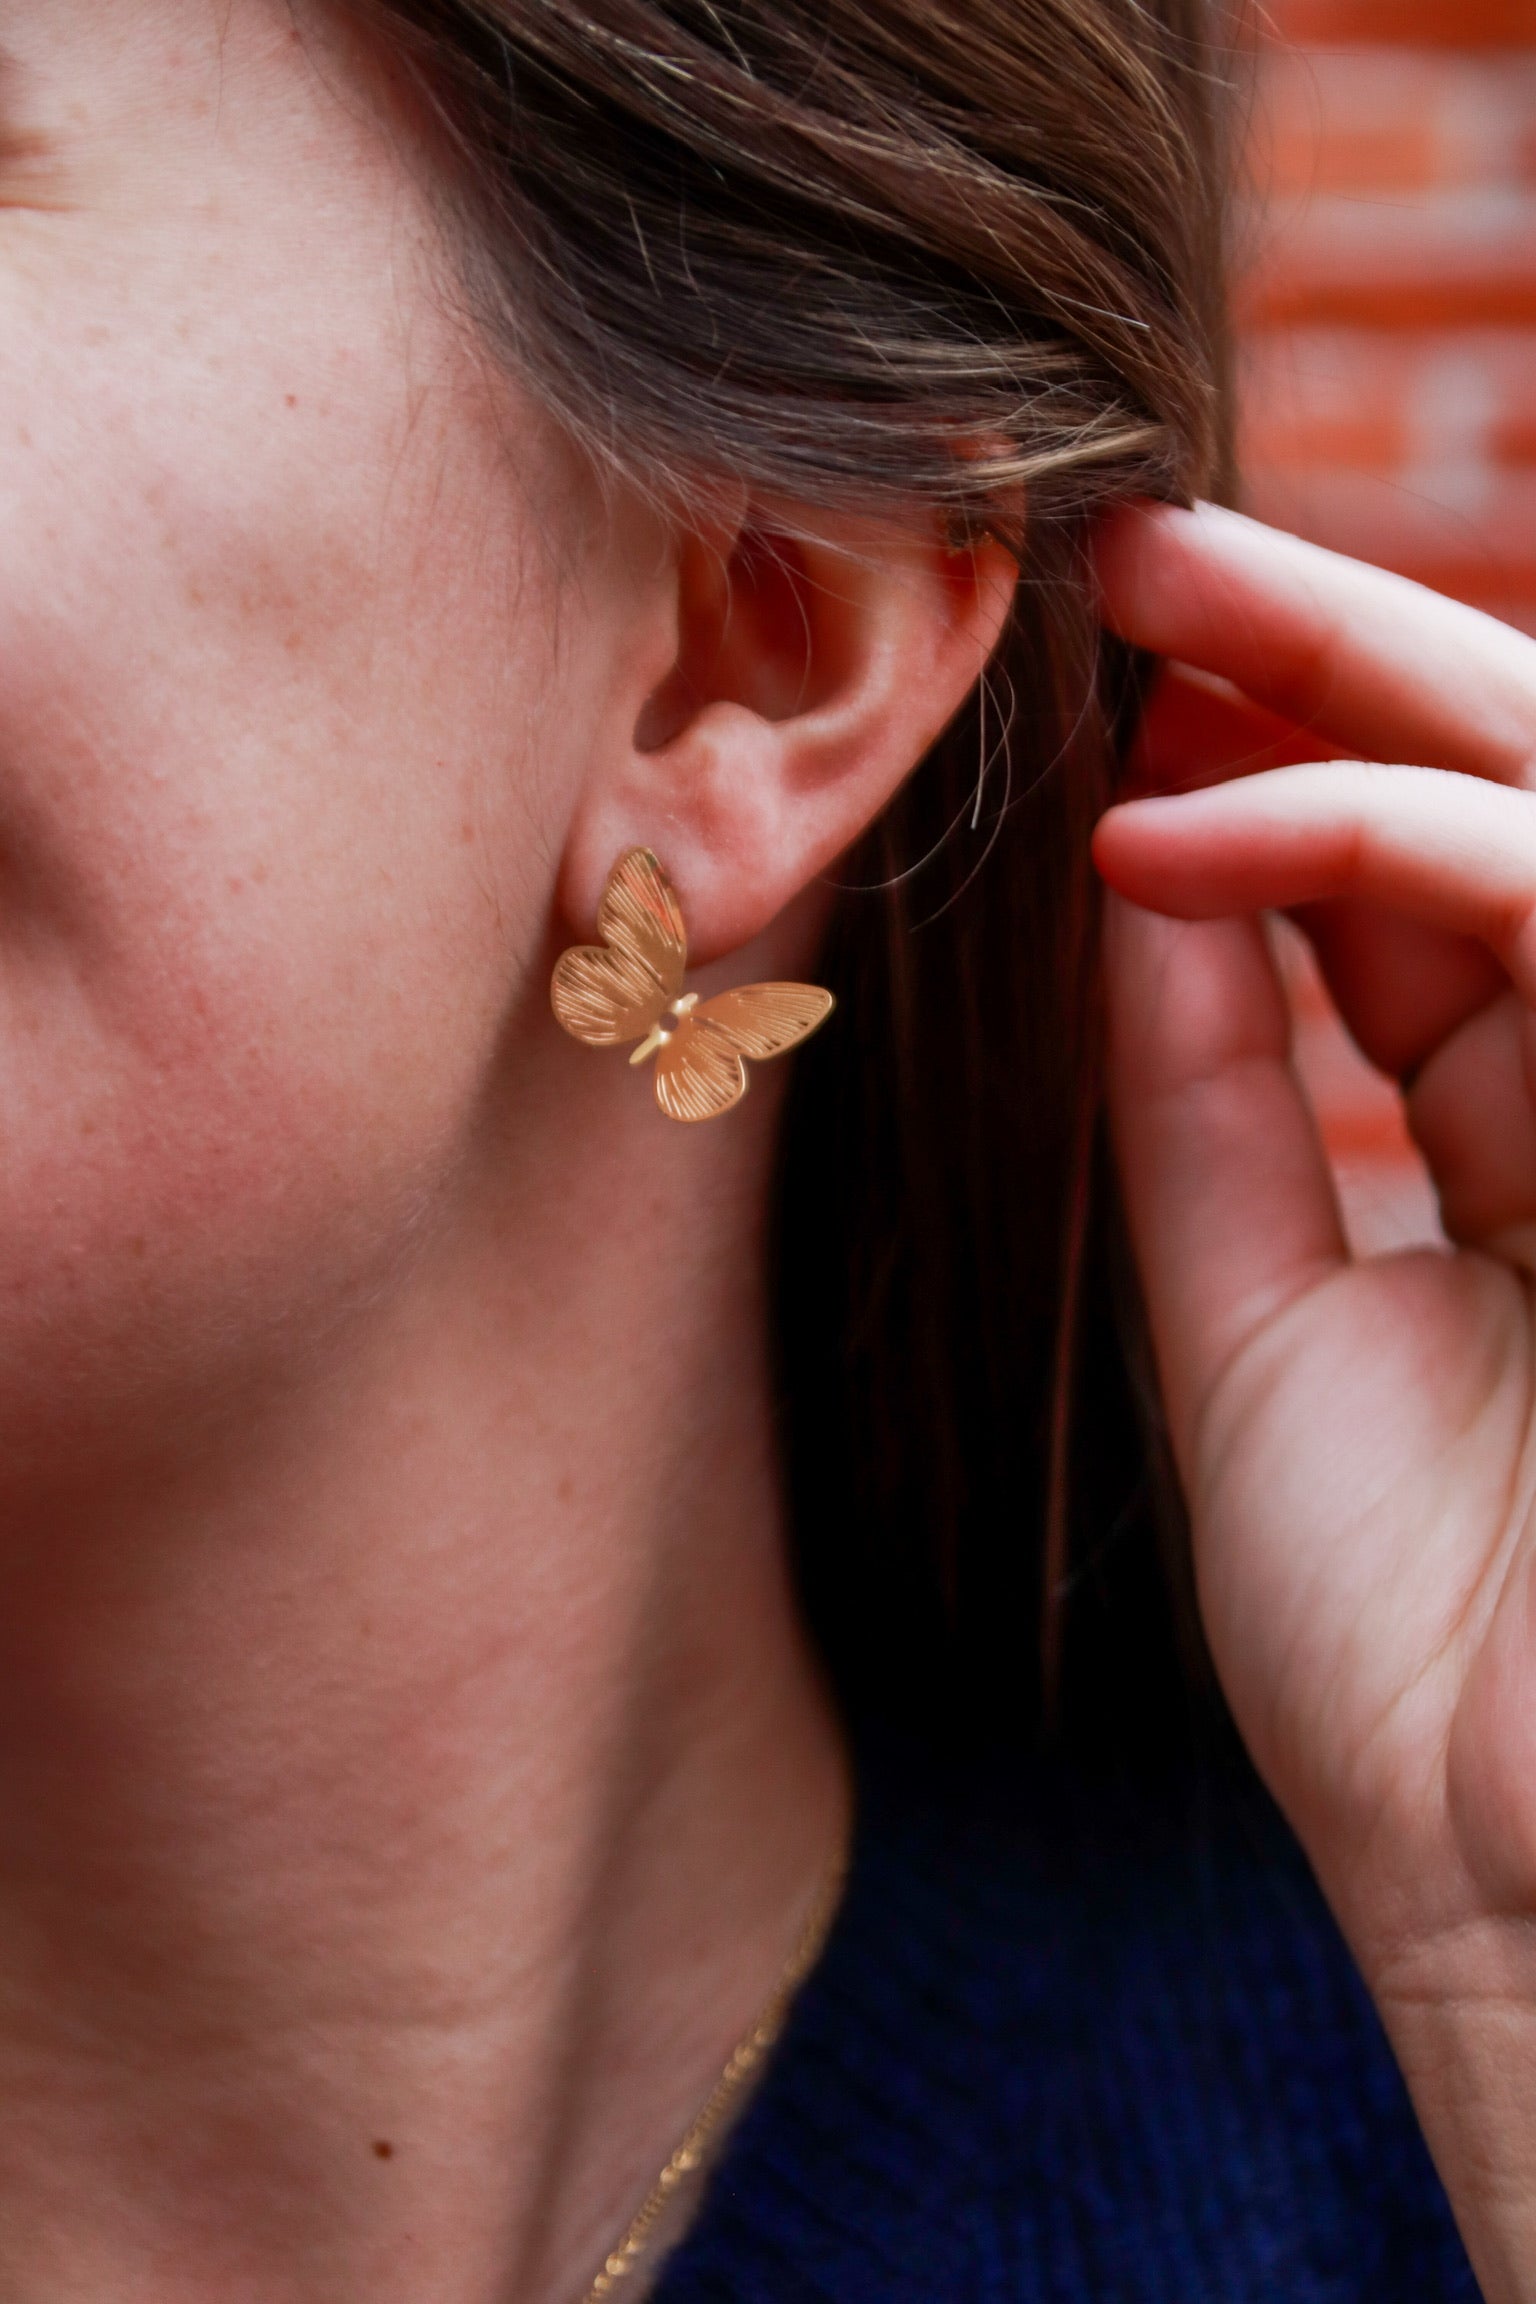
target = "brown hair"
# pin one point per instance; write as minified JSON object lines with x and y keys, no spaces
{"x":938,"y":257}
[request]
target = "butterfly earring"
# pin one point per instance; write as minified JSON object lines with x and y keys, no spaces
{"x":630,"y":987}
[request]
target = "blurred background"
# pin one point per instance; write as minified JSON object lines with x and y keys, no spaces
{"x":1387,"y":360}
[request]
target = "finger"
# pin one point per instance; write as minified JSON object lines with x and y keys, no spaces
{"x":1227,"y":1193}
{"x":1450,"y":850}
{"x":1369,"y":661}
{"x":1399,"y":986}
{"x":1198,"y":730}
{"x":1473,"y":1115}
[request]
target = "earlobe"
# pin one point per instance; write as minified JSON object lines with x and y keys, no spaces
{"x":815,"y":664}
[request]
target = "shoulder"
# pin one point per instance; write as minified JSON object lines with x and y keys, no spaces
{"x":1075,"y":2040}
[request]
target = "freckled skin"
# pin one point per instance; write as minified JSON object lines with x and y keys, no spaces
{"x":273,"y":667}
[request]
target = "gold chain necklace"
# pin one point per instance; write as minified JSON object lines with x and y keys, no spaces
{"x":745,"y":2058}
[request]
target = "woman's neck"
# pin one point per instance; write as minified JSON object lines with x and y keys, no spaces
{"x":406,"y":1804}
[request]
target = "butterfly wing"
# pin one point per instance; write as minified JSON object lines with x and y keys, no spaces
{"x":613,"y":991}
{"x":761,"y":1020}
{"x":640,"y":914}
{"x":699,"y":1073}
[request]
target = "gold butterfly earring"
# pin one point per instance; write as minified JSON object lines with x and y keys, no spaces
{"x":630,"y":987}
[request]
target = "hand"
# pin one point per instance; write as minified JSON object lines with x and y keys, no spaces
{"x":1357,"y":1440}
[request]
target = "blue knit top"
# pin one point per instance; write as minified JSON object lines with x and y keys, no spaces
{"x":1071,"y":2044}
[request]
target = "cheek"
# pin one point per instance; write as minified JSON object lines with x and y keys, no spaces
{"x":236,"y":1076}
{"x":273,"y":751}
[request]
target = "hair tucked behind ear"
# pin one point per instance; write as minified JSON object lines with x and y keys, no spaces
{"x":954,"y":259}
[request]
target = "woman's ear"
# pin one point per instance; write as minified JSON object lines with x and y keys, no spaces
{"x":814,"y":663}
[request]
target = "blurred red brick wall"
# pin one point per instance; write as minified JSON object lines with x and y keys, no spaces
{"x":1387,"y":310}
